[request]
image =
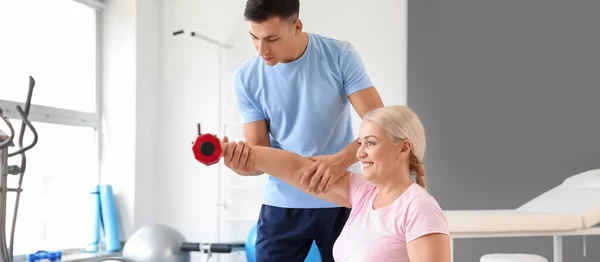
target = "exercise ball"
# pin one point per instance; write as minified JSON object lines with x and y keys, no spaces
{"x":155,"y":243}
{"x":313,"y":254}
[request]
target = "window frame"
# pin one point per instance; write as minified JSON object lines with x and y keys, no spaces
{"x":99,"y":5}
{"x":54,"y":115}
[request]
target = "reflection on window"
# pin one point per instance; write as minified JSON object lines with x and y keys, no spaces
{"x":55,"y":42}
{"x":55,"y":206}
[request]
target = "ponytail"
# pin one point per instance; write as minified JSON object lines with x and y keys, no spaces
{"x":419,"y":170}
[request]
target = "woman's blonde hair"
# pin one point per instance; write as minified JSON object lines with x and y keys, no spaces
{"x":400,"y":123}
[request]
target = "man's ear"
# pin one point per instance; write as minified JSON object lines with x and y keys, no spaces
{"x":298,"y":26}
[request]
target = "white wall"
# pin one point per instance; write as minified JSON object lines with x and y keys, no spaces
{"x":130,"y":80}
{"x":188,"y":96}
{"x":148,"y":61}
{"x":159,"y":86}
{"x":117,"y":166}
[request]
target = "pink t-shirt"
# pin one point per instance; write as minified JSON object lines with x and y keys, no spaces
{"x":382,"y":234}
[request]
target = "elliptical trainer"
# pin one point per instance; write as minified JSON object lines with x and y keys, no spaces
{"x":6,"y":142}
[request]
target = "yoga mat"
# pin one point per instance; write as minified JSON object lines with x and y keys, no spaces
{"x":109,"y":219}
{"x":97,"y":221}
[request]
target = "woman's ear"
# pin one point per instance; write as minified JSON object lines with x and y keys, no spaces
{"x":405,"y":147}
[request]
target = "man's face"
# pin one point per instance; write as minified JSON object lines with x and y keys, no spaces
{"x":274,"y":39}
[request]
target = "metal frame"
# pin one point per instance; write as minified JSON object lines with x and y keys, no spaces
{"x":556,"y":238}
{"x":99,"y":89}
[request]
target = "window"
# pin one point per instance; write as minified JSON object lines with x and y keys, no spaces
{"x":55,"y":42}
{"x":61,"y":171}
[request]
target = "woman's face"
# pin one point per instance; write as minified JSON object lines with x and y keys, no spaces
{"x":376,"y":152}
{"x":378,"y":155}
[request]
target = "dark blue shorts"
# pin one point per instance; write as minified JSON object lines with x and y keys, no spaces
{"x":286,"y":234}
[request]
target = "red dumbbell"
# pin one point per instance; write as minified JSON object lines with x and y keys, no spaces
{"x":207,"y":149}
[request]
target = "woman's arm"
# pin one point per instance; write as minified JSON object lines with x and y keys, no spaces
{"x":285,"y":165}
{"x":426,"y":230}
{"x":430,"y":248}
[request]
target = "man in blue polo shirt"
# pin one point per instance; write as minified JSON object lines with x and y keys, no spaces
{"x":297,"y":94}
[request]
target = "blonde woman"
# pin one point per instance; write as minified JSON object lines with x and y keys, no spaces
{"x":392,"y":217}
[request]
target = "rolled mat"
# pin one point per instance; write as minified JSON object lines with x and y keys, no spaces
{"x":109,"y":219}
{"x":97,"y":223}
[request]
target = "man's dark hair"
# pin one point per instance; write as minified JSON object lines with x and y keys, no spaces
{"x":261,"y":10}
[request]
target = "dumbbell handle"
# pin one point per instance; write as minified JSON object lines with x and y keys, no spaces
{"x":211,"y":247}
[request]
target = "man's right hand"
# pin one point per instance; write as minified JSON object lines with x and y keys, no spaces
{"x":238,"y":158}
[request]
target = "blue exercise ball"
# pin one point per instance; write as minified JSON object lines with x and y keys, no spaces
{"x":313,"y":254}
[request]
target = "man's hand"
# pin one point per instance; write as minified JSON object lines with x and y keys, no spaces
{"x":238,"y":157}
{"x":324,"y":172}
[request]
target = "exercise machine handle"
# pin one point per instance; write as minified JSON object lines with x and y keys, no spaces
{"x":223,"y":248}
{"x":211,"y":248}
{"x":190,"y":247}
{"x":25,"y":121}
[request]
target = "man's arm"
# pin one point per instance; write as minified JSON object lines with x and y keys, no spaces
{"x":255,"y":128}
{"x":256,"y":134}
{"x":362,"y":101}
{"x":364,"y":97}
{"x":360,"y":91}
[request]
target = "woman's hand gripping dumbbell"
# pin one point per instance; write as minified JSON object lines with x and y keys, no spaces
{"x":208,"y":150}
